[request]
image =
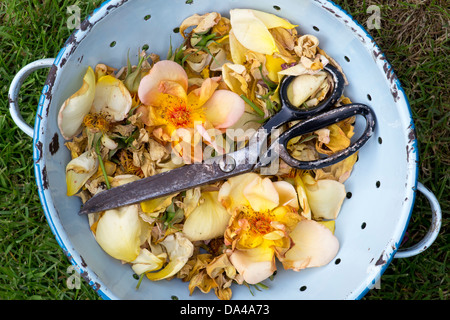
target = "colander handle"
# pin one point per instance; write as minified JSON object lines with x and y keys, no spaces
{"x":14,"y":90}
{"x":436,"y":221}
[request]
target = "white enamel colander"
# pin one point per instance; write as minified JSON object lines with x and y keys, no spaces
{"x":383,"y":184}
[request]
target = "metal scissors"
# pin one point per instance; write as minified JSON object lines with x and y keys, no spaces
{"x":254,"y":156}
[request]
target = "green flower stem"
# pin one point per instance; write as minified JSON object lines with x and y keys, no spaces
{"x":102,"y":165}
{"x":254,"y":106}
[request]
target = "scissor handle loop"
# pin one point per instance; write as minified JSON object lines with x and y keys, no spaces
{"x":337,"y":91}
{"x":317,"y":122}
{"x":289,"y":112}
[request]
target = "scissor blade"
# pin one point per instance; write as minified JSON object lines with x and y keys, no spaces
{"x":160,"y":185}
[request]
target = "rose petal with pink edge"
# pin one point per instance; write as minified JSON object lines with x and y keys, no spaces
{"x":164,"y":70}
{"x":224,"y":108}
{"x":172,"y":88}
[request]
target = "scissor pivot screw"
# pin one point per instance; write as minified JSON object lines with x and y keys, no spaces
{"x":227,"y":164}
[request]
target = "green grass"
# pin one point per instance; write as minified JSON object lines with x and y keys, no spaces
{"x":414,"y":37}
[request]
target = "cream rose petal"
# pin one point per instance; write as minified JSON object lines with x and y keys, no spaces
{"x":147,"y":261}
{"x":314,"y":246}
{"x":307,"y":46}
{"x":325,"y":197}
{"x":108,"y":143}
{"x":219,"y":60}
{"x":208,"y":221}
{"x":180,"y":249}
{"x":202,"y":22}
{"x":111,"y":98}
{"x":254,"y":265}
{"x":198,"y":60}
{"x":296,"y":70}
{"x":286,"y":193}
{"x":123,"y":179}
{"x":304,"y":86}
{"x":72,"y":112}
{"x":118,"y":233}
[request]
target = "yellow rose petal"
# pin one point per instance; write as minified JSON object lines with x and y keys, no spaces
{"x":79,"y":170}
{"x":261,"y":194}
{"x":251,"y":32}
{"x":273,"y":66}
{"x":338,"y":141}
{"x":272,"y":21}
{"x":237,"y":50}
{"x":330,"y":224}
{"x":325,"y":197}
{"x":231,"y":193}
{"x":155,"y":206}
{"x":302,"y":198}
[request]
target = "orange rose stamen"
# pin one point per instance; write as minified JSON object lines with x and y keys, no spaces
{"x":126,"y":161}
{"x":95,"y":121}
{"x":179,"y":116}
{"x":260,"y":223}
